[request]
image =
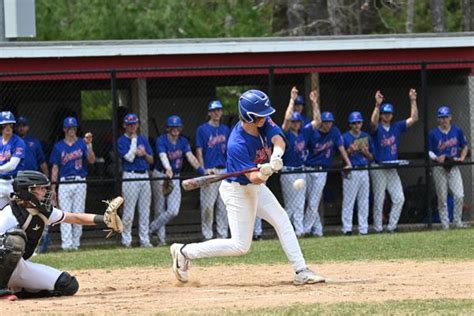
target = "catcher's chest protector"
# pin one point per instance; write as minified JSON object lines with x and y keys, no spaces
{"x":32,"y":225}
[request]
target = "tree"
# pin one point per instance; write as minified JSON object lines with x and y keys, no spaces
{"x":437,"y":15}
{"x":410,"y":16}
{"x":468,"y":15}
{"x":296,"y":17}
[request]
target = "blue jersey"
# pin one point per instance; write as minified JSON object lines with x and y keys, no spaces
{"x":306,"y":120}
{"x":321,"y":146}
{"x":295,"y":150}
{"x":213,"y":142}
{"x":14,"y":148}
{"x":449,"y":144}
{"x":247,"y":151}
{"x":174,"y":151}
{"x":139,"y":163}
{"x":34,"y":155}
{"x":357,"y":158}
{"x":387,"y":142}
{"x":70,"y":159}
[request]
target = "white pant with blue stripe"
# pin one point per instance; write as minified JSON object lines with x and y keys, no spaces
{"x":72,"y":198}
{"x":315,"y":185}
{"x":355,"y":187}
{"x":294,"y":200}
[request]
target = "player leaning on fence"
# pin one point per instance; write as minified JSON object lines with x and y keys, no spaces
{"x":386,"y":137}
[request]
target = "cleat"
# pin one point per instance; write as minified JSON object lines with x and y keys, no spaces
{"x":180,"y":263}
{"x":306,"y":276}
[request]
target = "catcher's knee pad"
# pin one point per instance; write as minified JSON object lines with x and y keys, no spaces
{"x":66,"y":284}
{"x":12,"y":248}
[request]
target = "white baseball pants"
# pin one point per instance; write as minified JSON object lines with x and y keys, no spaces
{"x":136,"y":193}
{"x":315,"y":185}
{"x":72,"y":198}
{"x":452,"y":181}
{"x":5,"y":189}
{"x":294,"y":200}
{"x":387,"y":179}
{"x":211,"y":200}
{"x":243,"y":203}
{"x":355,"y":187}
{"x":33,"y":277}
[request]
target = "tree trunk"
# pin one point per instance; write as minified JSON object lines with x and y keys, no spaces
{"x":334,"y":7}
{"x":468,"y":15}
{"x":437,"y":15}
{"x":368,"y":18}
{"x":410,"y":16}
{"x":317,"y":18}
{"x":296,"y":17}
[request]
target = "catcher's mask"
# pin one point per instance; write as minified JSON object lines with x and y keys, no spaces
{"x":23,"y":185}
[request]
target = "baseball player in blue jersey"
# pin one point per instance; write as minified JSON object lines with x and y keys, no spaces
{"x":69,"y":160}
{"x":247,"y":195}
{"x":34,"y":155}
{"x":137,"y":156}
{"x":322,"y":141}
{"x":355,"y":185}
{"x":12,"y":154}
{"x":211,"y":151}
{"x":386,"y":137}
{"x":447,"y":141}
{"x":298,"y":104}
{"x":172,"y":148}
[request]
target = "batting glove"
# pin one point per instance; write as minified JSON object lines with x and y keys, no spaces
{"x":275,"y":161}
{"x":265,"y":171}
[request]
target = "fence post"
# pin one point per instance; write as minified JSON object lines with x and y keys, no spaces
{"x":113,"y":85}
{"x":424,"y":103}
{"x":271,"y":82}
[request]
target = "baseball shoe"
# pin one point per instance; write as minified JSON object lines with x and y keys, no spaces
{"x":461,"y":225}
{"x":7,"y":294}
{"x":180,"y":263}
{"x":306,"y":276}
{"x":257,"y":237}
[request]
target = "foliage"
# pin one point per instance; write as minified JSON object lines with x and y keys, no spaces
{"x":96,"y":105}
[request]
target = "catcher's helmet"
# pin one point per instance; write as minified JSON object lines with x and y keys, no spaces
{"x":386,"y":108}
{"x":444,"y":111}
{"x":254,"y":103}
{"x":27,"y":180}
{"x":174,"y":121}
{"x":299,"y":100}
{"x":7,"y":117}
{"x":70,"y":122}
{"x":355,"y":117}
{"x":214,"y":105}
{"x":327,"y":117}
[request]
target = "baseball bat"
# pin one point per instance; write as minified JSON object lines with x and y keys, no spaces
{"x":194,"y":183}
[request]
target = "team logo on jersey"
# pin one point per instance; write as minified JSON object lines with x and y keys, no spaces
{"x":451,"y":142}
{"x":6,"y":155}
{"x":172,"y":155}
{"x":387,"y":141}
{"x":324,"y":146}
{"x":66,"y":157}
{"x":214,"y":140}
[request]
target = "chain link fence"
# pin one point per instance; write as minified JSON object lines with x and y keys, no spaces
{"x":327,"y":197}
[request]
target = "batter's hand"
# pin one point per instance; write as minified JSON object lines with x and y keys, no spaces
{"x":266,"y":169}
{"x":378,"y":98}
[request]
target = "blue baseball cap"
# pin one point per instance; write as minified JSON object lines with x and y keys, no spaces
{"x":130,"y":119}
{"x":22,"y":120}
{"x":296,"y":116}
{"x":174,"y":121}
{"x":7,"y":117}
{"x":444,"y":111}
{"x":386,"y":108}
{"x":214,"y":105}
{"x":299,"y":100}
{"x":355,"y":117}
{"x":70,"y":122}
{"x":327,"y":117}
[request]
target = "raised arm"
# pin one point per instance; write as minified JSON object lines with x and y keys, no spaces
{"x":314,"y":96}
{"x":374,"y":120}
{"x":289,"y":110}
{"x":414,"y":108}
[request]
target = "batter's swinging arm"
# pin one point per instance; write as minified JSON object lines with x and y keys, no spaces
{"x":194,"y":183}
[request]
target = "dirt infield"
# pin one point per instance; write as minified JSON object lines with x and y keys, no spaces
{"x":220,"y":288}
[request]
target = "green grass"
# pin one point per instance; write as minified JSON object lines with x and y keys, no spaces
{"x":420,"y":246}
{"x":405,"y":307}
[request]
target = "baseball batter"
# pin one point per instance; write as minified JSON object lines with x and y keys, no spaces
{"x":355,"y":185}
{"x":247,"y":195}
{"x":293,"y":160}
{"x":69,"y":160}
{"x":12,"y":154}
{"x":21,"y":225}
{"x":34,"y":155}
{"x":211,"y":150}
{"x":137,"y":156}
{"x":447,"y":141}
{"x":322,"y":142}
{"x":172,"y":148}
{"x":386,"y":137}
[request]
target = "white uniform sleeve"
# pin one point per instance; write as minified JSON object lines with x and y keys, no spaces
{"x":130,"y":155}
{"x":11,"y":165}
{"x":164,"y":161}
{"x":56,"y":217}
{"x":432,"y":155}
{"x":7,"y":220}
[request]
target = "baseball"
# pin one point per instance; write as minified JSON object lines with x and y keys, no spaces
{"x":299,"y":184}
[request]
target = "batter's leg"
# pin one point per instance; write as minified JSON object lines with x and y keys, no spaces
{"x":144,"y":203}
{"x":457,"y":188}
{"x":379,"y":185}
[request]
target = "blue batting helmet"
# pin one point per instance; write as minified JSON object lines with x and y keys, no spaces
{"x":130,"y":119}
{"x":296,"y":116}
{"x":174,"y":121}
{"x":355,"y":117}
{"x":214,"y":105}
{"x":386,"y":108}
{"x":70,"y":122}
{"x":7,"y":117}
{"x":327,"y":117}
{"x":444,"y":111}
{"x":254,"y":102}
{"x":22,"y":120}
{"x":299,"y":100}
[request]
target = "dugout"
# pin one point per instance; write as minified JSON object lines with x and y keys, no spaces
{"x":50,"y":80}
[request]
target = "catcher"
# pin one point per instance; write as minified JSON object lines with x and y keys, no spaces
{"x":22,"y":223}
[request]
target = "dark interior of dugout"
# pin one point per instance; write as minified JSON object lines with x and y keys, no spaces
{"x":47,"y":102}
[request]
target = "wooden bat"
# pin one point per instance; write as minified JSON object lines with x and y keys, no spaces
{"x":194,"y":183}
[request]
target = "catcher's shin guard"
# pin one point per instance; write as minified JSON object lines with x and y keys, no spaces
{"x":12,"y":247}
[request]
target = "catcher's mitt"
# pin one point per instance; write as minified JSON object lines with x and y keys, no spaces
{"x":168,"y":187}
{"x":111,"y":218}
{"x":449,"y":163}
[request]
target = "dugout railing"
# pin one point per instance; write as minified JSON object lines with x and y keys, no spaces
{"x":101,"y":98}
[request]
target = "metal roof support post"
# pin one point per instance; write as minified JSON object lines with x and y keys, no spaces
{"x":115,"y":130}
{"x":428,"y":168}
{"x":140,"y":103}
